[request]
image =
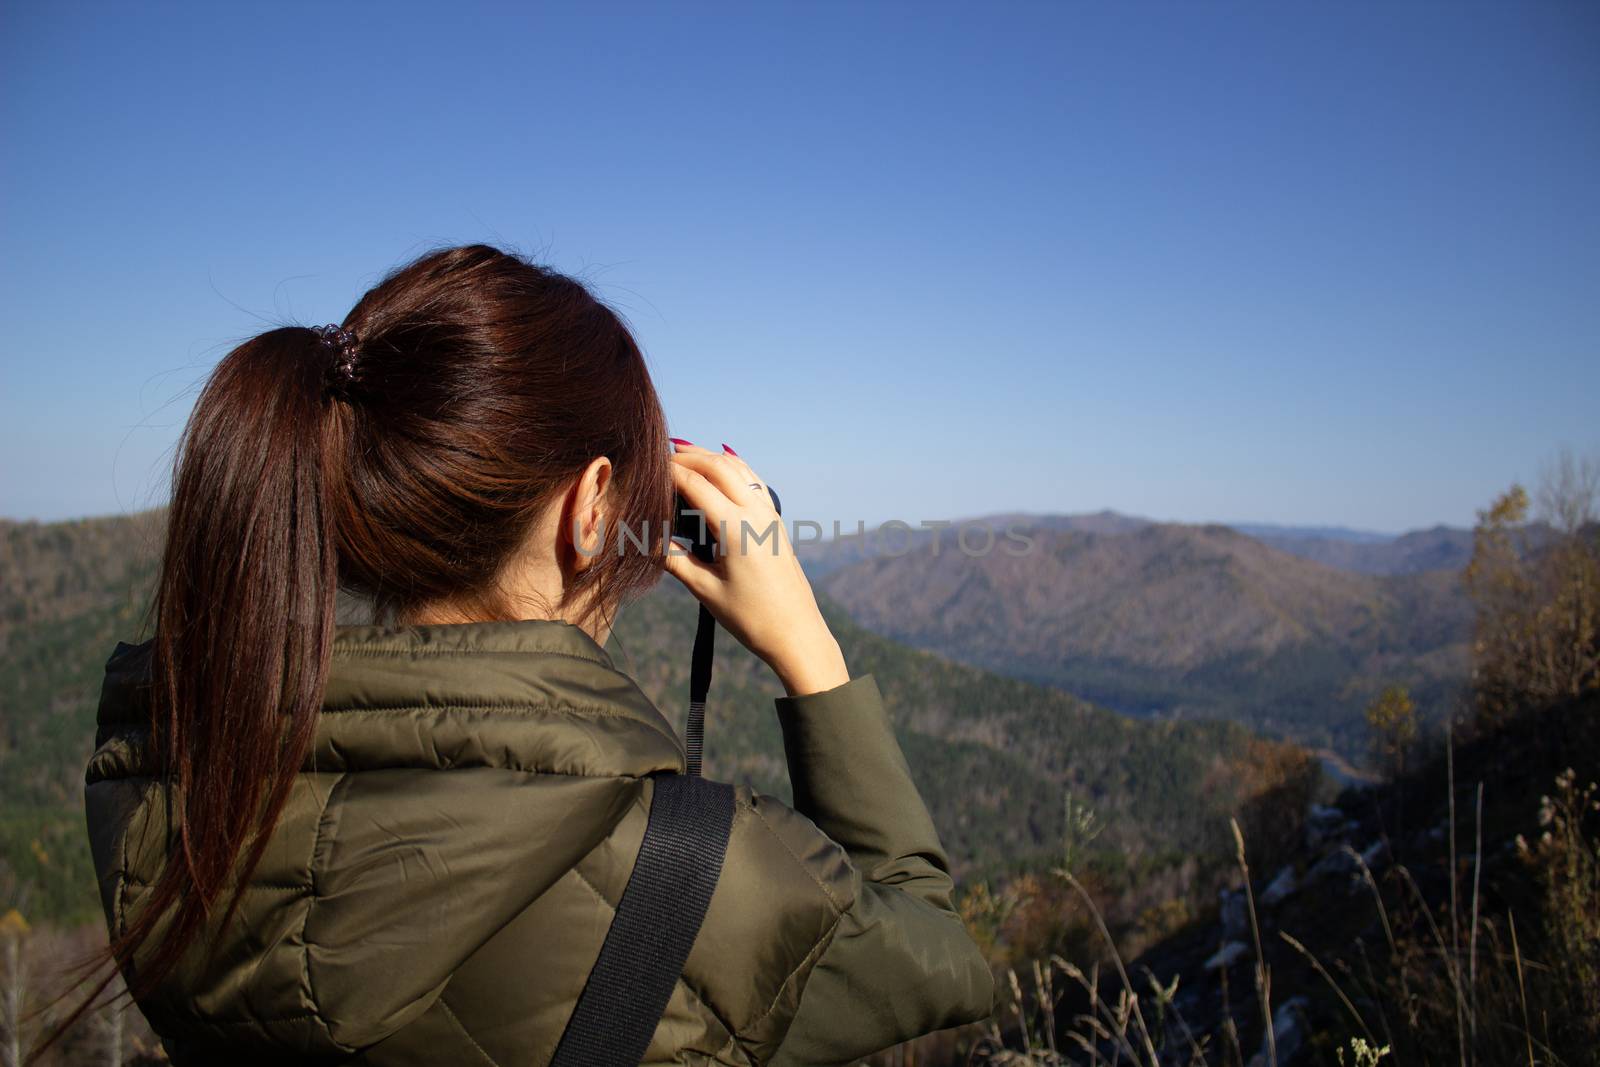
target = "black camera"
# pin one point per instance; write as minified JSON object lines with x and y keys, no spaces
{"x":694,"y":528}
{"x":691,"y":525}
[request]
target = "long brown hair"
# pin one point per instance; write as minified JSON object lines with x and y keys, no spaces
{"x":483,"y":385}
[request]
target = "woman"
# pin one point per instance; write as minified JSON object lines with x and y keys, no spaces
{"x":403,"y":842}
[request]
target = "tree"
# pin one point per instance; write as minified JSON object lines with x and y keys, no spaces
{"x":1536,"y":587}
{"x":1392,"y":721}
{"x":1569,"y":488}
{"x":111,"y":1024}
{"x":13,"y":994}
{"x":1081,"y":827}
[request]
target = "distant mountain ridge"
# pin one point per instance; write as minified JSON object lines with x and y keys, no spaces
{"x":1168,"y":619}
{"x":1266,"y":530}
{"x":1438,"y":548}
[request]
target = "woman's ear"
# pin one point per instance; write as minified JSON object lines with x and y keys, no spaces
{"x":588,"y":512}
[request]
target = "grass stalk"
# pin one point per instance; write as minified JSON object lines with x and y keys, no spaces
{"x":1326,"y":977}
{"x":1116,"y":957}
{"x":1116,"y":1031}
{"x":1263,"y":976}
{"x":1472,"y":959}
{"x":1372,"y":982}
{"x":1453,"y":958}
{"x":1522,"y":985}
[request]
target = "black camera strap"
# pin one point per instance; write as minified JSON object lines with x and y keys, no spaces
{"x":705,"y":641}
{"x":694,"y":728}
{"x":655,"y":925}
{"x":668,"y":892}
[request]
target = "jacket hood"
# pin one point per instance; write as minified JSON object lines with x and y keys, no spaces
{"x":457,"y":772}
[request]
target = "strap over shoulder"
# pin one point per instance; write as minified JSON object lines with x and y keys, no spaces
{"x":655,"y":925}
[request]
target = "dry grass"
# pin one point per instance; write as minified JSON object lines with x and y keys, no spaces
{"x":1453,"y":984}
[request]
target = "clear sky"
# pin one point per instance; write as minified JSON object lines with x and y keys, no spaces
{"x":1299,"y":263}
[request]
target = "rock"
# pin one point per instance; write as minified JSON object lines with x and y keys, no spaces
{"x":1227,"y":956}
{"x":1282,"y":886}
{"x":1290,"y":1028}
{"x":1323,"y":824}
{"x":1235,"y":913}
{"x":1340,"y":863}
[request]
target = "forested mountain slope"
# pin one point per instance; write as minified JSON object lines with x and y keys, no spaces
{"x":994,"y":756}
{"x":1172,"y":620}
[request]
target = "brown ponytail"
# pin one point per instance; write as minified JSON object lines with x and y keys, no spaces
{"x":244,"y":621}
{"x":404,"y":463}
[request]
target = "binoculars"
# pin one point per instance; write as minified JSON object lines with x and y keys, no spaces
{"x":691,"y":525}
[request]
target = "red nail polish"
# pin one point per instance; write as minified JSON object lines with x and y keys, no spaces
{"x":681,"y":441}
{"x":729,"y":451}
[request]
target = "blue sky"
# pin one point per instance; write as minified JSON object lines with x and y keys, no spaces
{"x":1288,"y":263}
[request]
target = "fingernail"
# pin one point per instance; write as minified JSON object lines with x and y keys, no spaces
{"x":681,"y":441}
{"x":729,"y":451}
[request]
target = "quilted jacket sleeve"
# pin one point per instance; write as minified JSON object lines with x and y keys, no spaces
{"x":901,"y":963}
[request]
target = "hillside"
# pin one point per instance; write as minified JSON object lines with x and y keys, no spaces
{"x":1377,"y":922}
{"x":853,"y":546}
{"x":1175,"y":621}
{"x":993,"y":756}
{"x":1440,"y":548}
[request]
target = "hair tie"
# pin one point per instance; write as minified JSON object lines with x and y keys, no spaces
{"x":342,"y":343}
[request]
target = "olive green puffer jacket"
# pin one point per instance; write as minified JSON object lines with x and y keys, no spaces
{"x":447,"y":865}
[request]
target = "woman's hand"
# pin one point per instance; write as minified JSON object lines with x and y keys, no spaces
{"x":755,"y":588}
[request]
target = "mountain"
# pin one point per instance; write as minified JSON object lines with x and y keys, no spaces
{"x":994,"y":756}
{"x":836,"y":552}
{"x":1266,"y":531}
{"x":1174,"y":621}
{"x":68,"y":592}
{"x":1441,"y":548}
